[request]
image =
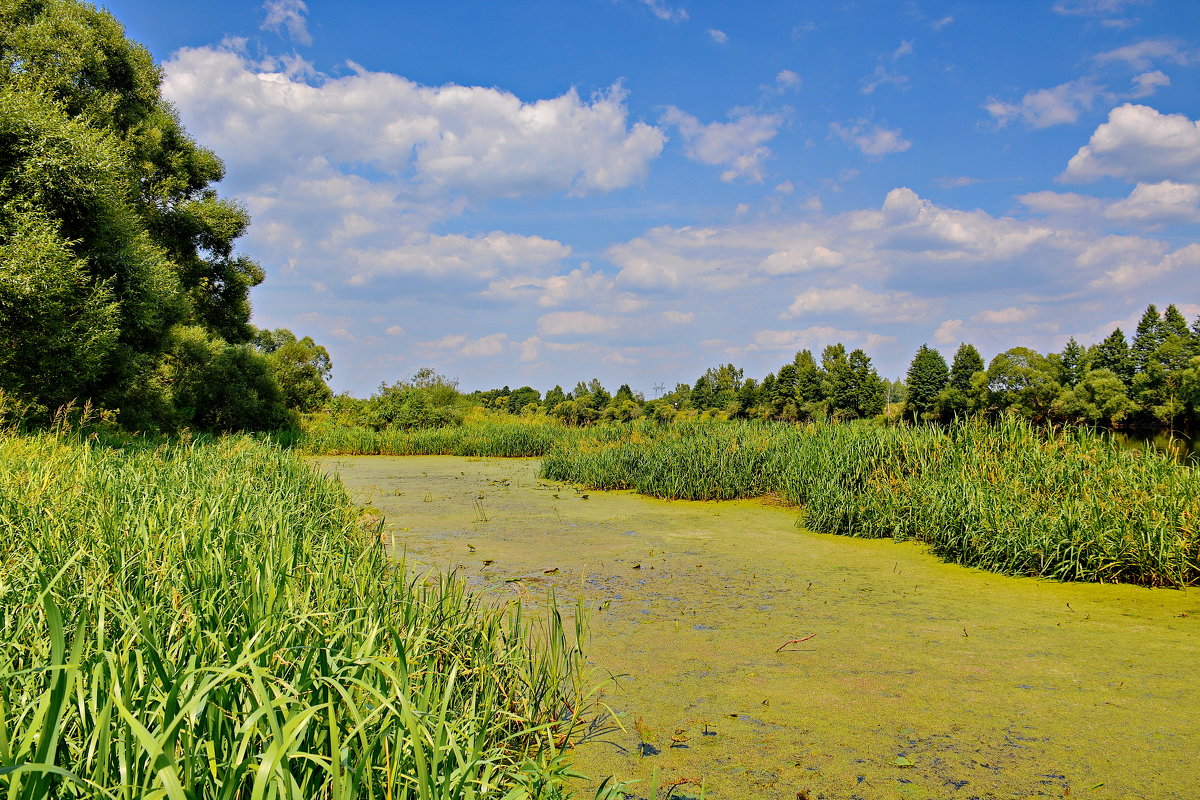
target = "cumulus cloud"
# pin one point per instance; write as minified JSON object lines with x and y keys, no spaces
{"x":718,"y":36}
{"x":739,"y":145}
{"x":1149,"y":204}
{"x":287,"y":16}
{"x":1138,"y":143}
{"x":872,"y":140}
{"x":1059,"y":105}
{"x":482,"y":142}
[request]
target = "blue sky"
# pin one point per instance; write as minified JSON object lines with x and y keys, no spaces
{"x":635,"y":190}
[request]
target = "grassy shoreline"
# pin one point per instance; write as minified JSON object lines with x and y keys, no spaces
{"x":212,"y":620}
{"x":1005,"y":497}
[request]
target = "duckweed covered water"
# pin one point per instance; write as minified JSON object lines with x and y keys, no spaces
{"x":920,"y":680}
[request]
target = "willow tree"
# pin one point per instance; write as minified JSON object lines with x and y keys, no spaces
{"x":118,"y":277}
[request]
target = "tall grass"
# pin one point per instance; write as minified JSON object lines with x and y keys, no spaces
{"x":491,"y":435}
{"x":213,"y":621}
{"x":1004,"y":497}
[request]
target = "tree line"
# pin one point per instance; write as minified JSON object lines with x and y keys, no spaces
{"x":1153,"y":380}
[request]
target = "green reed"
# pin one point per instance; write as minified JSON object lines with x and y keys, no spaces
{"x":500,"y":436}
{"x":212,"y":620}
{"x":1004,"y":497}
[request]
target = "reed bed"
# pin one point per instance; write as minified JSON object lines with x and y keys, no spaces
{"x":213,"y":621}
{"x":506,"y":438}
{"x":1004,"y":496}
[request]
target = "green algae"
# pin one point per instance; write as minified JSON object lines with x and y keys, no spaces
{"x":920,"y":680}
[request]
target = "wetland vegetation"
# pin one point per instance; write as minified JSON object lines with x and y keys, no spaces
{"x":215,"y":620}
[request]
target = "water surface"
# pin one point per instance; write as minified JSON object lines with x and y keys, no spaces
{"x":920,"y":680}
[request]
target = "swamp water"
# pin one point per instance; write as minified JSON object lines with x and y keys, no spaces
{"x":920,"y":680}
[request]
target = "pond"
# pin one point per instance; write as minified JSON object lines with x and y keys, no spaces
{"x":1183,"y":447}
{"x":762,"y":660}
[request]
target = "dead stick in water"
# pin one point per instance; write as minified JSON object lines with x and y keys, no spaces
{"x":794,"y":641}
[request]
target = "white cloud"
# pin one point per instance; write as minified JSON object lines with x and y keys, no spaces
{"x":788,"y":79}
{"x":872,"y":140}
{"x":718,"y":36}
{"x":663,"y":11}
{"x":1143,"y":54}
{"x":1045,"y":107}
{"x":738,"y":144}
{"x":482,"y":142}
{"x":950,"y":332}
{"x":394,"y":330}
{"x":455,"y":257}
{"x":1005,"y":316}
{"x":1140,"y":144}
{"x":1148,"y":83}
{"x":939,"y":24}
{"x":463,"y":346}
{"x":1093,"y":8}
{"x":879,"y":306}
{"x":1149,"y":204}
{"x":287,"y":15}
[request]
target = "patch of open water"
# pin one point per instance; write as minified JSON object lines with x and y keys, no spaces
{"x":920,"y":680}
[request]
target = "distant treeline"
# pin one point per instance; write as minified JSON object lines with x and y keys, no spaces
{"x":1153,"y":380}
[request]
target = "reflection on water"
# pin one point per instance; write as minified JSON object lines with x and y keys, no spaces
{"x":1183,"y":447}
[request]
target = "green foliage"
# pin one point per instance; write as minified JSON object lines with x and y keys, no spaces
{"x":114,"y":247}
{"x":210,"y":620}
{"x":927,"y":376}
{"x":300,"y":367}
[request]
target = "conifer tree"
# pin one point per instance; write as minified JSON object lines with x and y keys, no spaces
{"x":1149,"y":335}
{"x":1113,"y":354}
{"x":927,"y":376}
{"x":967,"y":362}
{"x":1070,"y":363}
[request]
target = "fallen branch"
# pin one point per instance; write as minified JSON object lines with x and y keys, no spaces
{"x":794,"y":641}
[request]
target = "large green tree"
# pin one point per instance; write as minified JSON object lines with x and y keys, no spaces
{"x":927,"y":377}
{"x":116,"y":254}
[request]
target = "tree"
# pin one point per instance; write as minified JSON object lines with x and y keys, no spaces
{"x":1023,"y":380}
{"x":866,"y":388}
{"x":554,"y":397}
{"x":837,"y":380}
{"x":1070,"y":363}
{"x":808,"y":378}
{"x":300,"y":367}
{"x":927,"y":376}
{"x":1149,"y":335}
{"x":967,"y":362}
{"x":519,"y":398}
{"x":1113,"y":354}
{"x":117,"y":255}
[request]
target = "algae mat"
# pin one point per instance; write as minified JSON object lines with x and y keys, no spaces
{"x":913,"y":679}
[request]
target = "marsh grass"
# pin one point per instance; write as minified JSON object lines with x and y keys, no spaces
{"x":211,"y":620}
{"x":1004,"y":496}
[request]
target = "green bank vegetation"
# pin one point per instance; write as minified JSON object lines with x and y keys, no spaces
{"x":1003,"y":496}
{"x":213,"y":620}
